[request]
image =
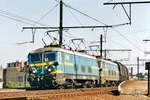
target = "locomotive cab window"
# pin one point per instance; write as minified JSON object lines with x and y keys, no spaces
{"x":50,"y":56}
{"x":35,"y":57}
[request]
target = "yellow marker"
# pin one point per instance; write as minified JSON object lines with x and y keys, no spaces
{"x":57,"y":72}
{"x":51,"y":63}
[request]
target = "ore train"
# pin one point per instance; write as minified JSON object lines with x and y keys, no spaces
{"x":53,"y":67}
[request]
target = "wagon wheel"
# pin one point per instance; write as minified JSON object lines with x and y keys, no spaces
{"x":73,"y":85}
{"x":107,"y":84}
{"x":93,"y":84}
{"x":61,"y":87}
{"x":114,"y":84}
{"x":85,"y":85}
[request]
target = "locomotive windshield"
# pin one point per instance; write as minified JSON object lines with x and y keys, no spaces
{"x":50,"y":56}
{"x":35,"y":57}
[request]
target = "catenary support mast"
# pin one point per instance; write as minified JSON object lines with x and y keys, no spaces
{"x":128,"y":14}
{"x":61,"y":23}
{"x":101,"y":46}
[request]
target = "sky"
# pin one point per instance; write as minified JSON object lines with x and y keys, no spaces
{"x":47,"y":12}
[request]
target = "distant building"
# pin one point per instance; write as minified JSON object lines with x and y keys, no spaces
{"x":1,"y":73}
{"x":1,"y":77}
{"x":16,"y":64}
{"x":19,"y":65}
{"x":14,"y":78}
{"x":15,"y":75}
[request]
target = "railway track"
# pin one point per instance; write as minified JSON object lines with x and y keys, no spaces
{"x":63,"y":94}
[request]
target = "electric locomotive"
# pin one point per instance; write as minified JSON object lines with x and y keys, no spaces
{"x":57,"y":67}
{"x":53,"y":67}
{"x":112,"y":72}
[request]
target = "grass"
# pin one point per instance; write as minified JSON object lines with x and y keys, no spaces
{"x":13,"y":85}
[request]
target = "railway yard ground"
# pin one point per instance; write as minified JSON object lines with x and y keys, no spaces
{"x":103,"y":93}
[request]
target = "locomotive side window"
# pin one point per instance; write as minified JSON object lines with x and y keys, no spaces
{"x":59,"y":56}
{"x":89,"y":69}
{"x":105,"y":69}
{"x":71,"y":58}
{"x":112,"y":72}
{"x":82,"y":68}
{"x":67,"y":57}
{"x":109,"y":69}
{"x":94,"y":62}
{"x":115,"y":73}
{"x":109,"y":72}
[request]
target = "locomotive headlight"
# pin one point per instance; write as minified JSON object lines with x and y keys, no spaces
{"x":49,"y":69}
{"x":34,"y":70}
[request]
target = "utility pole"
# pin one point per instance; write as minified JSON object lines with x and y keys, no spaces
{"x":138,"y":67}
{"x":61,"y":24}
{"x":147,"y":67}
{"x":101,"y":46}
{"x":105,"y":54}
{"x":131,"y":72}
{"x":148,"y":82}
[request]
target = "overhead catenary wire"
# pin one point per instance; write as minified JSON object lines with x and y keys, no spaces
{"x":118,"y":43}
{"x":27,"y":21}
{"x":70,"y":34}
{"x":134,"y":45}
{"x":104,"y":24}
{"x":19,"y":18}
{"x":75,"y":17}
{"x":48,"y":12}
{"x":69,"y":6}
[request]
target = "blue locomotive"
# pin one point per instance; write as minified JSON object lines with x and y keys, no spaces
{"x":53,"y":67}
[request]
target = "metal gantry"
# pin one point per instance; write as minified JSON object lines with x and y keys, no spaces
{"x":128,"y":14}
{"x":61,"y":28}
